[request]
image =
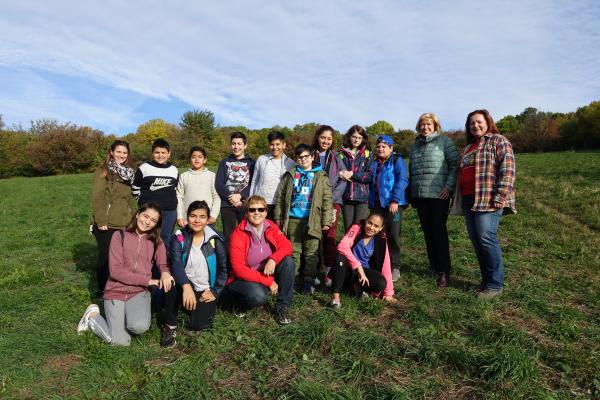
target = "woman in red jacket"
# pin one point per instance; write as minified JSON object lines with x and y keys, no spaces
{"x":126,"y":297}
{"x":261,"y":262}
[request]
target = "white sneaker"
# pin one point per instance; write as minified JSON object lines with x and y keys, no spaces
{"x":395,"y":274}
{"x":84,"y":323}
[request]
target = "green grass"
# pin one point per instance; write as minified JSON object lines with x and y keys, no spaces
{"x":541,"y":340}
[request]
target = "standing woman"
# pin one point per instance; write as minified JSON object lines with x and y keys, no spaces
{"x":112,"y":203}
{"x":355,"y":153}
{"x":486,"y":184}
{"x":328,"y":158}
{"x":126,"y":297}
{"x":432,"y":176}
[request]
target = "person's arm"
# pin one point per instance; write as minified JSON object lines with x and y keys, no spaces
{"x":386,"y":271}
{"x":505,"y":172}
{"x":160,"y":258}
{"x":220,"y":181}
{"x":176,"y":260}
{"x":136,"y":186}
{"x":116,"y":264}
{"x":400,"y":181}
{"x":340,"y":184}
{"x":451,"y":158}
{"x":99,"y":205}
{"x":364,"y":174}
{"x":345,"y":246}
{"x":256,"y":177}
{"x":239,"y":266}
{"x":283,"y":246}
{"x":216,"y":204}
{"x":326,"y":203}
{"x":279,"y":209}
{"x":180,"y":191}
{"x":222,"y":268}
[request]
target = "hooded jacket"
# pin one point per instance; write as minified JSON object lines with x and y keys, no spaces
{"x":392,"y":181}
{"x":214,"y":251}
{"x":321,"y":208}
{"x":360,"y":165}
{"x":112,"y":202}
{"x":333,"y":165}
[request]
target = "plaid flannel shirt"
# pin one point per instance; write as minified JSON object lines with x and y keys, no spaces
{"x":494,"y":174}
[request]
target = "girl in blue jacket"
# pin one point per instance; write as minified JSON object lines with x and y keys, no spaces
{"x":388,"y":194}
{"x":198,"y":260}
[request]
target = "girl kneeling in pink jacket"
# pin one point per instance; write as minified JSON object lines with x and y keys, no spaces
{"x":363,"y":262}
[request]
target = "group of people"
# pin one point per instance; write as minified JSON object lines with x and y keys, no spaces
{"x":279,"y":220}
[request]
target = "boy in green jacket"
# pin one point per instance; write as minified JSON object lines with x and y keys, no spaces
{"x":303,"y":210}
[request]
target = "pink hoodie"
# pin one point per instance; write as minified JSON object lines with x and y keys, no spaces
{"x":130,"y":265}
{"x":345,"y":249}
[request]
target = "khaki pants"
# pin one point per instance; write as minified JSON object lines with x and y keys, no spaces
{"x":304,"y":247}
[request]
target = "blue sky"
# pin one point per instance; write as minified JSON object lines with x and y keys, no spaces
{"x":114,"y":65}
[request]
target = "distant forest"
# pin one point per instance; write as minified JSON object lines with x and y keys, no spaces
{"x":48,"y":147}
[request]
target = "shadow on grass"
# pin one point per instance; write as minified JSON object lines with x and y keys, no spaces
{"x":85,"y":256}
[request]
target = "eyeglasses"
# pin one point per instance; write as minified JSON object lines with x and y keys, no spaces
{"x":304,"y":157}
{"x":252,"y":210}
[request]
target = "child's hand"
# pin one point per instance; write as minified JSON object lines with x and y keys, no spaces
{"x":274,"y":288}
{"x":325,"y":227}
{"x":207,"y":296}
{"x":189,"y":297}
{"x":235,"y":198}
{"x":393,"y":207}
{"x":181,"y":222}
{"x":153,"y":282}
{"x":362,"y":278}
{"x":103,"y":228}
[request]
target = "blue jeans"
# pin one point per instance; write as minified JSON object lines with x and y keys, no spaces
{"x":483,"y":232}
{"x":252,"y":294}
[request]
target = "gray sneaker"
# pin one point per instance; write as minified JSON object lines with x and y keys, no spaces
{"x":488,"y":294}
{"x":395,"y":274}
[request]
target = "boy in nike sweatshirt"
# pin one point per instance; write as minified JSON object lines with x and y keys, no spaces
{"x":156,"y":181}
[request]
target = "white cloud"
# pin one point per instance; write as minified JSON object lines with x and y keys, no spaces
{"x":260,"y":63}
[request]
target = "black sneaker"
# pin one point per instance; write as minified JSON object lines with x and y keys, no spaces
{"x":168,"y":337}
{"x":281,"y":314}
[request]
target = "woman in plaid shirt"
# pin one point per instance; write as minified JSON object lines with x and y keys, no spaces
{"x":486,"y":184}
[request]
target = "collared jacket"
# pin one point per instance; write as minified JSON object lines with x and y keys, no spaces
{"x":239,"y":245}
{"x":432,"y":166}
{"x":391,"y":181}
{"x":112,"y":202}
{"x":494,"y":174}
{"x":360,"y":165}
{"x":130,"y":259}
{"x":321,"y":207}
{"x":333,"y":165}
{"x":214,"y":252}
{"x":379,"y":261}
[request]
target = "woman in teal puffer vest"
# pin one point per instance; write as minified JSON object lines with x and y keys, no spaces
{"x":432,"y":174}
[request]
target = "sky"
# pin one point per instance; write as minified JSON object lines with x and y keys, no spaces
{"x":114,"y":65}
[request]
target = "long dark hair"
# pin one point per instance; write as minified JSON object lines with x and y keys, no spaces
{"x":488,"y":120}
{"x":154,"y":233}
{"x":113,"y":146}
{"x":318,"y":132}
{"x":374,"y":214}
{"x":361,"y":131}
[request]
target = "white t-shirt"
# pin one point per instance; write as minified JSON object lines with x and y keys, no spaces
{"x":196,"y":269}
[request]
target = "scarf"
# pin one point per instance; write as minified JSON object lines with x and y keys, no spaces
{"x":124,"y":172}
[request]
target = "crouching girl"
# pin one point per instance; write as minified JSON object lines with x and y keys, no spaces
{"x":126,"y":296}
{"x":198,"y":260}
{"x":363,"y":262}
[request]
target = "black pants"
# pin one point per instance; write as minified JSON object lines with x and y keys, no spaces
{"x":103,"y":239}
{"x":433,"y":214}
{"x":200,"y":319}
{"x":251,"y":294}
{"x":230,"y":217}
{"x":344,"y":276}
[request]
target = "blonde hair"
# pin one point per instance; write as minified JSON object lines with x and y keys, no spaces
{"x":434,"y":118}
{"x":254,"y":199}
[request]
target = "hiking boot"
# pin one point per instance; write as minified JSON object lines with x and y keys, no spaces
{"x":395,"y":274}
{"x":281,"y":315}
{"x":489,"y":294}
{"x":84,"y":322}
{"x":239,"y":312}
{"x":168,"y":337}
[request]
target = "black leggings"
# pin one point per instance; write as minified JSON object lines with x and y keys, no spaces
{"x":103,"y":239}
{"x":344,"y":276}
{"x":201,"y":318}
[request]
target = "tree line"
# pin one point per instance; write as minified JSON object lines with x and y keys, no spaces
{"x":48,"y":147}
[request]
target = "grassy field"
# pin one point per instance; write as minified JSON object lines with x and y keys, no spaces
{"x":541,"y":339}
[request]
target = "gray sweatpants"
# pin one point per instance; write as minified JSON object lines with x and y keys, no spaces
{"x":123,"y":318}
